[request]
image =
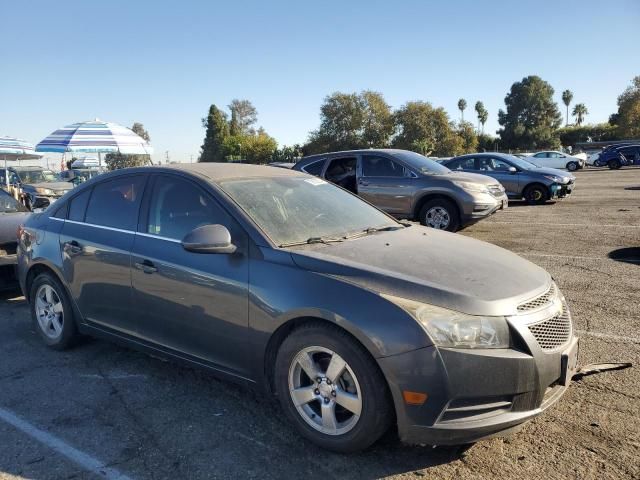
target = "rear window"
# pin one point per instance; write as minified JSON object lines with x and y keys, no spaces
{"x":314,"y":168}
{"x":115,"y":203}
{"x":78,"y":205}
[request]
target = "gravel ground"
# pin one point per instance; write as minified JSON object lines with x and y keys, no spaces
{"x":149,"y":419}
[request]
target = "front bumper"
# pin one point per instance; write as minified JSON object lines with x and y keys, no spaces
{"x":561,"y":190}
{"x":477,"y":394}
{"x":482,"y":206}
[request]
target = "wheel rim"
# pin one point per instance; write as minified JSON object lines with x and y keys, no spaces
{"x":536,"y":195}
{"x":49,"y":311}
{"x":325,"y":391}
{"x":572,"y":166}
{"x":438,"y":217}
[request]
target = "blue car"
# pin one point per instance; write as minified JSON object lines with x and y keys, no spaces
{"x":520,"y":178}
{"x":616,"y":156}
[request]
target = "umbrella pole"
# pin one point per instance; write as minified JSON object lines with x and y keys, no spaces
{"x":100,"y":160}
{"x":6,"y":173}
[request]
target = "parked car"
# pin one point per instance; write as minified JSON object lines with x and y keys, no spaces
{"x":408,"y":185}
{"x":620,"y":155}
{"x":556,"y":160}
{"x":281,"y":281}
{"x":12,"y":215}
{"x":282,"y":164}
{"x":35,"y":187}
{"x":520,"y":178}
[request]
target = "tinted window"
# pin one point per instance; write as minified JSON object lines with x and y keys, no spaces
{"x":462,"y":164}
{"x":178,"y":206}
{"x":342,"y":171}
{"x":314,"y":168}
{"x":493,"y":165}
{"x":115,"y":203}
{"x":78,"y":205}
{"x":376,"y":166}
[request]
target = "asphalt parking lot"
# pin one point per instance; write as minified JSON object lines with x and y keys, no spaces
{"x":102,"y":411}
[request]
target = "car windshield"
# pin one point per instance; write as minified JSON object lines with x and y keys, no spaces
{"x":292,"y":210}
{"x":520,"y":162}
{"x":421,"y":163}
{"x":84,"y":175}
{"x":8,"y":204}
{"x":37,"y":176}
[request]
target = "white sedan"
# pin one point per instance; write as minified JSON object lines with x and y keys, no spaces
{"x":552,"y":159}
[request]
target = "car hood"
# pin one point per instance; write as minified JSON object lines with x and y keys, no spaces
{"x":51,"y":185}
{"x":473,"y":177}
{"x":553,"y":171}
{"x":9,"y":223}
{"x":431,"y":266}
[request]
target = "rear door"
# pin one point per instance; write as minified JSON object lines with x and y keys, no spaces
{"x":193,"y":303}
{"x":499,"y":169}
{"x":386,"y":184}
{"x":96,"y":243}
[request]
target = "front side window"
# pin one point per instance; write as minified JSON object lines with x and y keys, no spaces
{"x":115,"y":203}
{"x":298,"y":209}
{"x":314,"y":168}
{"x":463,"y":164}
{"x":178,"y":206}
{"x":541,"y":155}
{"x":78,"y":205}
{"x":342,"y":171}
{"x":377,"y":166}
{"x":493,"y":165}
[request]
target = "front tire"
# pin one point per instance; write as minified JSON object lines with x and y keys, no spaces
{"x":614,"y":164}
{"x":331,"y":389}
{"x":572,"y":166}
{"x":51,"y":312}
{"x":536,"y":194}
{"x":441,"y":214}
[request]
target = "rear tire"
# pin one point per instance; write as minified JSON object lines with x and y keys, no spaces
{"x":614,"y":164}
{"x":536,"y":194}
{"x":441,"y":214}
{"x":52,"y":313}
{"x":572,"y":166}
{"x":322,"y":408}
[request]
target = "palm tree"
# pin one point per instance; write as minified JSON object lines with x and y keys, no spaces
{"x":479,"y":109}
{"x":567,"y":96}
{"x":580,"y":111}
{"x":462,"y":104}
{"x":484,"y":115}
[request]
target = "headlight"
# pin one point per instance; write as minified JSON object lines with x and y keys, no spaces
{"x":471,"y":187}
{"x":553,"y":178}
{"x":448,"y":328}
{"x":44,"y":191}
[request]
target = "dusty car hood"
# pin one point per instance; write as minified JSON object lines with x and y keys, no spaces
{"x":9,"y":223}
{"x":431,"y":266}
{"x":57,"y":186}
{"x":552,"y":171}
{"x":473,"y":177}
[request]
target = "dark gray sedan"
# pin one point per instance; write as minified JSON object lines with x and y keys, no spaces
{"x":284,"y":282}
{"x":520,"y":178}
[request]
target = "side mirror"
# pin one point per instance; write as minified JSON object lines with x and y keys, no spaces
{"x":513,"y":170}
{"x":209,"y":239}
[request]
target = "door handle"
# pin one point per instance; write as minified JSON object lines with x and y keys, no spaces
{"x":146,"y":266}
{"x":72,"y":247}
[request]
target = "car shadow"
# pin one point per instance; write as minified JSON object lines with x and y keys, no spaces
{"x":627,"y":255}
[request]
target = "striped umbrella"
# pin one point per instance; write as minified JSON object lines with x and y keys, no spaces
{"x":12,"y":148}
{"x":95,"y":137}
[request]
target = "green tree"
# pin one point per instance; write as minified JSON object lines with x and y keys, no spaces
{"x":567,"y":96}
{"x":598,"y":133}
{"x":467,"y":134}
{"x":531,"y":117}
{"x":425,"y":129}
{"x":351,"y":120}
{"x":117,"y":160}
{"x":243,"y":116}
{"x":628,"y":117}
{"x":462,"y":104}
{"x":288,"y":154}
{"x":217,"y":130}
{"x":580,"y":111}
{"x":483,"y":115}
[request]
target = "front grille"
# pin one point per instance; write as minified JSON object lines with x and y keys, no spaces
{"x":539,"y":302}
{"x":553,"y":332}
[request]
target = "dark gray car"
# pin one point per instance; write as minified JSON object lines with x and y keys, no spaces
{"x":36,"y":187}
{"x":284,"y":282}
{"x":520,"y":178}
{"x":408,"y":185}
{"x":12,"y":215}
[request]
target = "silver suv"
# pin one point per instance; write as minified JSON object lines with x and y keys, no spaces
{"x":408,"y":185}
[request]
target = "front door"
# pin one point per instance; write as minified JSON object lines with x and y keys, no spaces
{"x":96,"y":242}
{"x":386,"y":184}
{"x":191,"y":303}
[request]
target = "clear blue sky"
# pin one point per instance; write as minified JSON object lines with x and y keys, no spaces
{"x":164,"y":62}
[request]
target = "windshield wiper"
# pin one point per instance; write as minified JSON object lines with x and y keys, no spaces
{"x":312,"y":240}
{"x":370,"y":230}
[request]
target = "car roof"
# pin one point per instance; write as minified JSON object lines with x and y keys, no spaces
{"x":480,"y":154}
{"x":216,"y":172}
{"x":354,"y":152}
{"x":26,"y":167}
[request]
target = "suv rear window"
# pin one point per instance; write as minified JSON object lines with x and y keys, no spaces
{"x":115,"y":203}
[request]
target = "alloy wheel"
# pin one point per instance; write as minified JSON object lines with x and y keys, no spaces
{"x":438,"y":217}
{"x":325,"y":390}
{"x":49,"y":311}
